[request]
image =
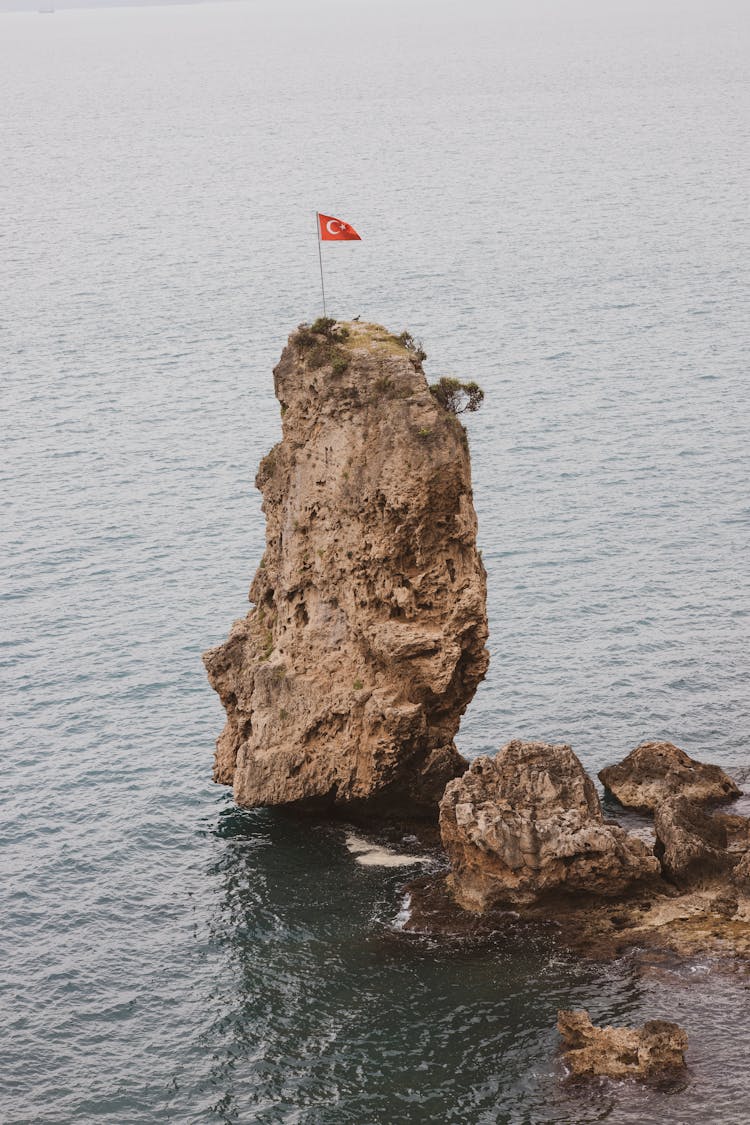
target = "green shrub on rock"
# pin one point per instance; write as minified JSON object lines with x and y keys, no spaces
{"x":457,"y":397}
{"x":407,"y":341}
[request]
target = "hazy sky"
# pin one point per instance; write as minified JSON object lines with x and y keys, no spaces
{"x":599,"y":9}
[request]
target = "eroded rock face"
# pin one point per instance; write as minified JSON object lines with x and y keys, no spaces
{"x":741,"y":874}
{"x":647,"y":1052}
{"x":345,"y":683}
{"x":528,"y":822}
{"x":690,"y":844}
{"x":656,"y":771}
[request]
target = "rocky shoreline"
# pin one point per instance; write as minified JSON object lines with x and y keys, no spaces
{"x":345,"y":684}
{"x":600,"y":889}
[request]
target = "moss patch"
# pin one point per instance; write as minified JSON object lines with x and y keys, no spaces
{"x":375,"y":339}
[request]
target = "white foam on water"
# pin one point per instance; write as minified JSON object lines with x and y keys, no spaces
{"x":375,"y":855}
{"x":404,"y":913}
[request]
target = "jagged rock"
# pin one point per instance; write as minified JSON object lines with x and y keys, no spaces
{"x":655,"y":771}
{"x":346,"y":682}
{"x":648,"y":1052}
{"x":528,"y":822}
{"x":712,"y":916}
{"x":737,"y":829}
{"x":741,"y":874}
{"x":690,"y":843}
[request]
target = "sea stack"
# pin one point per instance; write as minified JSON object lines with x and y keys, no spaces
{"x":345,"y":684}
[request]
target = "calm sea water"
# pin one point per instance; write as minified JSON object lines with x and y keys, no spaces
{"x":553,"y":197}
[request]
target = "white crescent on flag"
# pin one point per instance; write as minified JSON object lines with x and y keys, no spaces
{"x":331,"y":229}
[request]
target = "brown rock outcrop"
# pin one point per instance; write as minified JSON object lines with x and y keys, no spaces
{"x":708,"y":916}
{"x":510,"y":849}
{"x":741,"y":874}
{"x":690,"y":844}
{"x":656,"y":1050}
{"x":345,"y":684}
{"x":528,"y":822}
{"x":737,"y":829}
{"x":656,"y":771}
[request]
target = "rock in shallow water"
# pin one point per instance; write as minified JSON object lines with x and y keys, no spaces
{"x":655,"y":771}
{"x":654,"y":1050}
{"x":346,"y":683}
{"x":527,"y":823}
{"x":690,"y":844}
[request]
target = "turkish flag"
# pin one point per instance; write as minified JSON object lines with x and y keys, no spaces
{"x":336,"y":230}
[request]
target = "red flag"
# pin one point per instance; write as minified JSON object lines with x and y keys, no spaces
{"x":336,"y":230}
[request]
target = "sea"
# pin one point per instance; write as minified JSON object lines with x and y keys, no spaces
{"x":553,"y":198}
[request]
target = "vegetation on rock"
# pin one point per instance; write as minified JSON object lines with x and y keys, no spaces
{"x":457,"y":397}
{"x":406,"y":340}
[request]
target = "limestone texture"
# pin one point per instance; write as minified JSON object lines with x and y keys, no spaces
{"x":345,"y":684}
{"x":711,"y":916}
{"x":691,"y":844}
{"x":654,"y":1051}
{"x":655,"y":771}
{"x":528,"y":823}
{"x":741,"y":874}
{"x":524,"y":830}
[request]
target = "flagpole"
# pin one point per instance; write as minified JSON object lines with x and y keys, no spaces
{"x":320,"y":259}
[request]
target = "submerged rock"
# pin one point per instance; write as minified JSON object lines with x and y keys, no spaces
{"x":655,"y":1050}
{"x":690,"y":844}
{"x":655,"y":771}
{"x":346,"y":682}
{"x":527,"y":823}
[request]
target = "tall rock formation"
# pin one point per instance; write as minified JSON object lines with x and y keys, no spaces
{"x":345,"y":684}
